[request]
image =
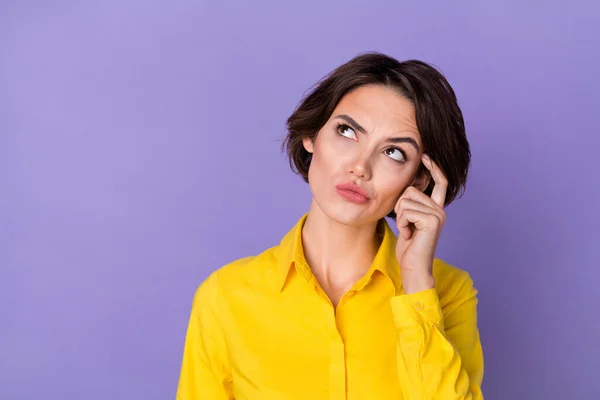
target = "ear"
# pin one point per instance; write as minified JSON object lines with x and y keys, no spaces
{"x":422,"y":178}
{"x":309,"y":145}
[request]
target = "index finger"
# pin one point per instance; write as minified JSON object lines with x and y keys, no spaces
{"x":441,"y":183}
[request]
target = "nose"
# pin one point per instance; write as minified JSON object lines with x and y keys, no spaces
{"x":361,"y":168}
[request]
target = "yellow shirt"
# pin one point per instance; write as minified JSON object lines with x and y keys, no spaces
{"x":261,"y":328}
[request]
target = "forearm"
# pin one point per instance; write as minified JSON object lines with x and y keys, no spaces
{"x":430,"y":364}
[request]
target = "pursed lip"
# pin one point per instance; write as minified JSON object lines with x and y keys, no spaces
{"x":353,"y":188}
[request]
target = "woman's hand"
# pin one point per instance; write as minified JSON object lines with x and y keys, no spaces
{"x":420,"y":220}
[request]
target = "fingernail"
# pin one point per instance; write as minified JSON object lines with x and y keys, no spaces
{"x":426,"y":157}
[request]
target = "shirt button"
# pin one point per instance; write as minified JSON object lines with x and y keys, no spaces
{"x":419,"y":305}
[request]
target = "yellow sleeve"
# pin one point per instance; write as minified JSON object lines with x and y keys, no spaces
{"x":438,"y":348}
{"x":205,"y":371}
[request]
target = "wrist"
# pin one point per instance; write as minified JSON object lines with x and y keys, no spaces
{"x":414,"y":282}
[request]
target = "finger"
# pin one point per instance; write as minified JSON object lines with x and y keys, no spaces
{"x":441,"y":183}
{"x":403,"y":225}
{"x":420,"y":220}
{"x":406,"y":204}
{"x":409,"y":204}
{"x":415,"y":194}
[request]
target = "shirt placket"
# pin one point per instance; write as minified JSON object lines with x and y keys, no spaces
{"x":337,"y":367}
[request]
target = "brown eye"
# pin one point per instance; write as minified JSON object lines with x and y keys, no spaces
{"x":395,"y":154}
{"x":346,"y":131}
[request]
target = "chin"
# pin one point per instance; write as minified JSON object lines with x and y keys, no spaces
{"x":349,"y":214}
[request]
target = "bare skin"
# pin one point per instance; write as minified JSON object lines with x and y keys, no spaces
{"x":339,"y":235}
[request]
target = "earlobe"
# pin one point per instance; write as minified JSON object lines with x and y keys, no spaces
{"x":308,"y":144}
{"x":425,"y":182}
{"x":422,"y":181}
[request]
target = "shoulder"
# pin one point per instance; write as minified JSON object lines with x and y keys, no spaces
{"x":241,"y":273}
{"x":453,"y":284}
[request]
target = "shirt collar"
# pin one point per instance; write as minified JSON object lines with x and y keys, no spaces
{"x":290,"y":253}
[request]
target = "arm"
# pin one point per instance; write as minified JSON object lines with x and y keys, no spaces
{"x":205,"y":371}
{"x":438,"y":349}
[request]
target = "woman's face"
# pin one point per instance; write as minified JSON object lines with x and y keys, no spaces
{"x":371,"y":141}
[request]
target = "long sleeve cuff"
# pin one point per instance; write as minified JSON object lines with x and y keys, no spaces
{"x":416,"y":309}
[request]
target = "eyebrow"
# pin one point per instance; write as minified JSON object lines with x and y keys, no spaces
{"x":359,"y":128}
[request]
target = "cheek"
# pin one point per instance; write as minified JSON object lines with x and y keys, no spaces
{"x":329,"y":155}
{"x":390,"y":197}
{"x":390,"y":189}
{"x":320,"y":166}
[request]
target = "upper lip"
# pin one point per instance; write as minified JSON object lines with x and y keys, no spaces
{"x":353,"y":187}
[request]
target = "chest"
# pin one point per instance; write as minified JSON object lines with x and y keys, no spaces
{"x":300,"y":348}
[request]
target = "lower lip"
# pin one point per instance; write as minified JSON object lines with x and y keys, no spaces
{"x":352,"y":196}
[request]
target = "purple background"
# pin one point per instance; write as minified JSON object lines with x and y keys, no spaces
{"x":139,"y":151}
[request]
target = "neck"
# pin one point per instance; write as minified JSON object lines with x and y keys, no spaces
{"x":338,"y":254}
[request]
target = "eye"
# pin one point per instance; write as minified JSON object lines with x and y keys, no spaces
{"x":346,"y":131}
{"x":395,"y":153}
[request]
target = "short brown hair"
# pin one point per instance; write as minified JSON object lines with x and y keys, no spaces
{"x":438,"y":116}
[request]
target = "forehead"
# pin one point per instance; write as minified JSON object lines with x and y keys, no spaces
{"x":378,"y":108}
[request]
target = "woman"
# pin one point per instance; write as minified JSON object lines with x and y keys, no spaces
{"x":342,"y":308}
